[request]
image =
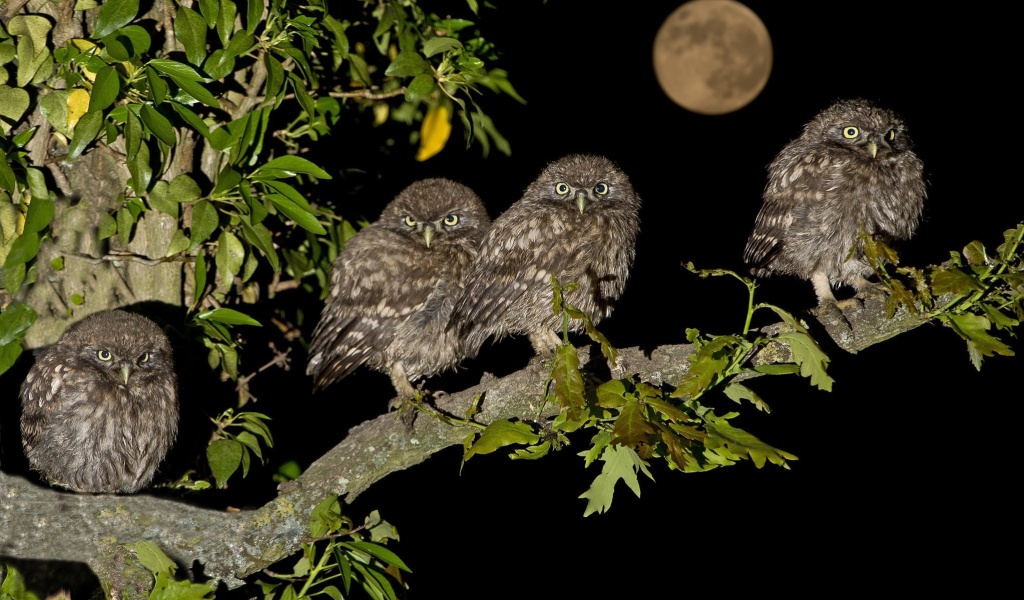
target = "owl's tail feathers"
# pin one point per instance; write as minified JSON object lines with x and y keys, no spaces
{"x":326,"y":367}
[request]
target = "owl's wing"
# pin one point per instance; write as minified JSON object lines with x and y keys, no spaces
{"x":767,"y":238}
{"x":502,"y":274}
{"x":375,"y":286}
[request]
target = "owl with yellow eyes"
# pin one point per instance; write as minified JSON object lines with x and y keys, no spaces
{"x":577,"y":221}
{"x":851,"y":170}
{"x":392,"y":287}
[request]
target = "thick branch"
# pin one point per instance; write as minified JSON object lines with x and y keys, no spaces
{"x":42,"y":523}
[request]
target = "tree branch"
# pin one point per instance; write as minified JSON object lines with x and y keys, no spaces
{"x":47,"y":524}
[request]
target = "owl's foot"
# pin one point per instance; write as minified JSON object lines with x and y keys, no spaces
{"x":405,"y":409}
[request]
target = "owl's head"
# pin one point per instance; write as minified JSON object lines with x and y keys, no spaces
{"x":126,"y":348}
{"x":873,"y":132}
{"x":582,"y":182}
{"x":436,"y":212}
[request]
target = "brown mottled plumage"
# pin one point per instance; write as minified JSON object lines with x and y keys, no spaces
{"x":579,"y":221}
{"x":852,"y":169}
{"x":100,"y":407}
{"x":391,"y":288}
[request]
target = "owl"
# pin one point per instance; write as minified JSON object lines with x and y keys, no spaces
{"x":578,"y":221}
{"x":100,"y":407}
{"x":392,"y":287}
{"x":852,"y":169}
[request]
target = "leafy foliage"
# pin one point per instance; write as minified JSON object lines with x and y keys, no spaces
{"x":634,"y":422}
{"x":12,"y":585}
{"x":165,"y":584}
{"x":975,"y":293}
{"x":339,"y":558}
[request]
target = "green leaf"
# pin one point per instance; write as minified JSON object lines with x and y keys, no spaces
{"x":158,"y":124}
{"x":127,"y":43}
{"x":620,"y":463}
{"x":738,"y":392}
{"x":226,"y":20}
{"x":421,"y":86}
{"x":440,"y":44}
{"x":407,"y":64}
{"x":275,"y":75}
{"x":228,"y":317}
{"x":294,"y":212}
{"x":224,"y":457}
{"x":54,"y":107}
{"x":379,"y":552}
{"x":40,"y":213}
{"x":125,"y":220}
{"x":190,"y":28}
{"x":200,"y":275}
{"x":632,"y":427}
{"x":13,"y":104}
{"x":132,"y":135}
{"x":141,"y":170}
{"x":230,"y":254}
{"x":198,"y":92}
{"x":177,"y":71}
{"x":105,"y":89}
{"x":107,"y":226}
{"x":500,"y":434}
{"x":14,"y":321}
{"x":220,"y":64}
{"x":113,"y":15}
{"x":293,"y":165}
{"x":22,"y":250}
{"x":179,"y":243}
{"x":85,"y":132}
{"x":157,"y":86}
{"x":253,"y":14}
{"x":210,"y":9}
{"x":183,"y":189}
{"x":205,"y":220}
{"x":974,"y":329}
{"x":810,"y":357}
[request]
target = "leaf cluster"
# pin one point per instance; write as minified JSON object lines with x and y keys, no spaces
{"x":632,"y":422}
{"x":976,"y":293}
{"x":339,"y":558}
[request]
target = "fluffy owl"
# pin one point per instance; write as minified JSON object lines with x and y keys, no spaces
{"x":100,"y":407}
{"x":852,"y":169}
{"x":392,"y":288}
{"x":579,"y":221}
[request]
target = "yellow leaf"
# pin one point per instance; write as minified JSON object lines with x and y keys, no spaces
{"x":78,"y":105}
{"x":434,"y":132}
{"x":380,"y":113}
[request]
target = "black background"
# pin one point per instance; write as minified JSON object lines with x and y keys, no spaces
{"x":906,"y":469}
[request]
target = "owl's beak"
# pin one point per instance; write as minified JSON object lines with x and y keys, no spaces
{"x":428,"y":234}
{"x":126,"y":372}
{"x":873,"y":148}
{"x":581,"y":200}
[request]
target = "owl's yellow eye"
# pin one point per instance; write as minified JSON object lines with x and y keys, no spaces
{"x":601,"y":189}
{"x":104,"y":355}
{"x":850,"y":132}
{"x":891,"y":135}
{"x":561,"y":188}
{"x":451,"y":220}
{"x":144,"y":358}
{"x":411,"y":222}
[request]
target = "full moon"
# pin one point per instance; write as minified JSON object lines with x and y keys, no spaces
{"x":712,"y":57}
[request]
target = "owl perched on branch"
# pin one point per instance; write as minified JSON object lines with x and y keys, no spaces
{"x":100,"y":407}
{"x":392,"y":288}
{"x":852,"y":169}
{"x":578,"y":221}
